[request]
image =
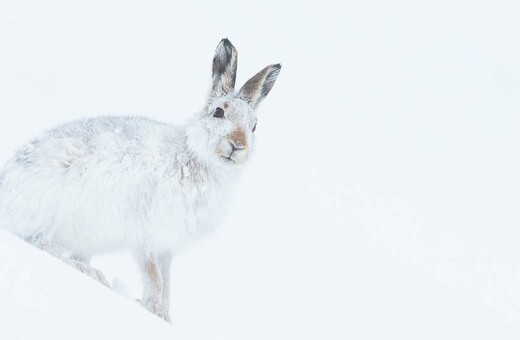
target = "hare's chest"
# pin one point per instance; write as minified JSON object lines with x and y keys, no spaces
{"x":204,"y":208}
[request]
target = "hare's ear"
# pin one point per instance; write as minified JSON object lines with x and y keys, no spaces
{"x":224,"y":68}
{"x":256,"y":88}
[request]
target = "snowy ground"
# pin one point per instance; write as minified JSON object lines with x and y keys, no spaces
{"x":383,"y":198}
{"x":44,"y":299}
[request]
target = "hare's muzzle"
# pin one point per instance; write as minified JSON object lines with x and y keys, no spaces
{"x":238,"y":139}
{"x":234,"y":148}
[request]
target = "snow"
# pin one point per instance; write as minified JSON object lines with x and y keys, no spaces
{"x":43,"y":298}
{"x":382,"y":201}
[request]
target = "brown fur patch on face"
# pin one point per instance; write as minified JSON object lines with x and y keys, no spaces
{"x":238,"y":137}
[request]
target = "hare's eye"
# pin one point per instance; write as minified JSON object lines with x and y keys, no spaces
{"x":219,"y":113}
{"x":254,"y":128}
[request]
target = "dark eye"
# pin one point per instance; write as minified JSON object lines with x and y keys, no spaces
{"x":219,"y":112}
{"x":254,"y":128}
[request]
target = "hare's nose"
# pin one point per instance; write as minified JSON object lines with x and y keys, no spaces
{"x":236,"y":145}
{"x":238,"y":139}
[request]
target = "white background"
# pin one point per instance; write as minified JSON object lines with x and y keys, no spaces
{"x":382,"y":201}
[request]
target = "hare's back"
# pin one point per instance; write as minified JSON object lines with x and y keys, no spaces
{"x":67,"y":175}
{"x":74,"y":145}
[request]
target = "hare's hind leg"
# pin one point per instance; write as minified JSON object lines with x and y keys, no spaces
{"x":82,"y":263}
{"x":43,"y":240}
{"x":152,"y":283}
{"x":81,"y":258}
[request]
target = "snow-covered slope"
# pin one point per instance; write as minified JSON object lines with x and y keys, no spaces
{"x":42,"y":298}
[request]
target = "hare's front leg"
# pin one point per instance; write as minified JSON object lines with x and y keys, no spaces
{"x":165,"y":262}
{"x":152,"y":284}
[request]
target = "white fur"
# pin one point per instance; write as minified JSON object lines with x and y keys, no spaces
{"x":102,"y":184}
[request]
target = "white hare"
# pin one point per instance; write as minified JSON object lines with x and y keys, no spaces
{"x":102,"y":184}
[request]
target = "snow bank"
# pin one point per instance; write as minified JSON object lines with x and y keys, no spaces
{"x":42,"y":298}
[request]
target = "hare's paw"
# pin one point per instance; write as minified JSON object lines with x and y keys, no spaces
{"x":93,"y":273}
{"x":156,"y":308}
{"x":89,"y":270}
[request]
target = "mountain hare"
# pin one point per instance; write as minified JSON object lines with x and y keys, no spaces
{"x":102,"y":184}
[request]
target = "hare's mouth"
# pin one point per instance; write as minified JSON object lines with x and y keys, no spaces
{"x":227,"y":159}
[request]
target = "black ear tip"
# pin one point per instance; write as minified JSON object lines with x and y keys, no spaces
{"x":274,"y":69}
{"x":226,"y":43}
{"x":227,"y":46}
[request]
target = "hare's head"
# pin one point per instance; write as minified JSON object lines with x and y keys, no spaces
{"x":223,"y":133}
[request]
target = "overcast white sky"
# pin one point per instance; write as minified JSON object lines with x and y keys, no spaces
{"x":383,"y":198}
